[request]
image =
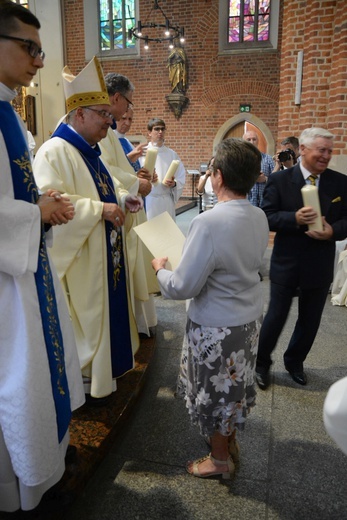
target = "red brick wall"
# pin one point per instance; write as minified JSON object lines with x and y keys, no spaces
{"x":217,"y":84}
{"x":319,"y":28}
{"x":74,"y":34}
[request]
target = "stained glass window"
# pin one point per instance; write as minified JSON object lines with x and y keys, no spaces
{"x":249,"y":21}
{"x":116,"y":17}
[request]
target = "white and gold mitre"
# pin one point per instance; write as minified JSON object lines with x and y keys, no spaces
{"x":85,"y":89}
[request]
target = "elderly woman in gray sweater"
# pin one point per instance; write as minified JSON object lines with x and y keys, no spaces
{"x":218,"y":271}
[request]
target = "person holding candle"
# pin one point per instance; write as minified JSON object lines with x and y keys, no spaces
{"x":132,"y":152}
{"x":204,"y":189}
{"x":219,"y":272}
{"x":302,"y":258}
{"x":166,"y":192}
{"x":120,"y":91}
{"x":142,"y":283}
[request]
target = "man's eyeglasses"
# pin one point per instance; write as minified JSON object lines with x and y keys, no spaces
{"x":33,"y":49}
{"x":159,"y":129}
{"x":130,"y":103}
{"x":102,"y":113}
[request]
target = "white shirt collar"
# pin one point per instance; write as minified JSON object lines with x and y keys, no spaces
{"x":7,"y":94}
{"x":305,"y":172}
{"x":118,"y":134}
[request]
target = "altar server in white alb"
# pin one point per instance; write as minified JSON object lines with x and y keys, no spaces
{"x":40,"y":379}
{"x":90,"y":256}
{"x":164,"y":194}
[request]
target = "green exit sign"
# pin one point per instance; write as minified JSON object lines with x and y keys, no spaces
{"x":245,"y":108}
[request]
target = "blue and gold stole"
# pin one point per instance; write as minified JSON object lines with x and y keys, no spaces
{"x":25,"y":188}
{"x":120,"y":338}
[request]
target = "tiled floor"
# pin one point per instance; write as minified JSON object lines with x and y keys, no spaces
{"x":290,"y":469}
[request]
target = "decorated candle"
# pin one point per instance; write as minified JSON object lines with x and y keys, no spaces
{"x":170,"y":174}
{"x":151,"y":157}
{"x":310,"y":198}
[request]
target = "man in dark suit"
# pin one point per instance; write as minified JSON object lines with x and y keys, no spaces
{"x":302,"y":259}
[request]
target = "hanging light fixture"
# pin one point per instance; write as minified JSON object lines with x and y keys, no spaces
{"x":151,"y":31}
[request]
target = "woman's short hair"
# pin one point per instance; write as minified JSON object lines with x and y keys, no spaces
{"x":239,"y":161}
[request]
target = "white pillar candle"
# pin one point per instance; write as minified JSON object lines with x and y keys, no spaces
{"x":311,"y":198}
{"x":170,"y":174}
{"x":151,"y":157}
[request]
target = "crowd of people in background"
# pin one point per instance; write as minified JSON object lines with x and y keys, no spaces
{"x":88,"y":189}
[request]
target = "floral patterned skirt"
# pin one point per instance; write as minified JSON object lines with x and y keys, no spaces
{"x":217,"y":375}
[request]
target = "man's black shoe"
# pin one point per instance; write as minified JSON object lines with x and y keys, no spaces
{"x":299,"y":377}
{"x":263,"y":379}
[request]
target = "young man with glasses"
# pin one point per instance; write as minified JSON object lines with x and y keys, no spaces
{"x":163,"y":197}
{"x":40,"y":380}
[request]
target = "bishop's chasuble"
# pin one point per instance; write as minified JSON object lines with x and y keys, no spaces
{"x":89,"y":257}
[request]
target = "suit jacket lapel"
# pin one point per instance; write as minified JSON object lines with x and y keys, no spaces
{"x":325,"y":181}
{"x":297,"y":180}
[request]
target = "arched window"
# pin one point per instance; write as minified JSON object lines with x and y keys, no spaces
{"x":247,"y":25}
{"x":115,"y":18}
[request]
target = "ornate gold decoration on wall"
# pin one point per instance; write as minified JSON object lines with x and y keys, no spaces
{"x":18,"y":102}
{"x":25,"y":107}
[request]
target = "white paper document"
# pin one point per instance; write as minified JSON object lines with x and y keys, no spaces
{"x":162,"y":237}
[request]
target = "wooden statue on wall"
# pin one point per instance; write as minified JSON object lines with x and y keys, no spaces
{"x":178,"y":77}
{"x":177,"y":64}
{"x":30,"y":114}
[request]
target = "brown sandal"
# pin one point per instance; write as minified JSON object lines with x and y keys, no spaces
{"x":225,"y":474}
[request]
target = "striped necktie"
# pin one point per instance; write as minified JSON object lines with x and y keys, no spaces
{"x":312,"y":179}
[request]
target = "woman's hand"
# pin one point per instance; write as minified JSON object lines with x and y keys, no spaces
{"x":159,"y":263}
